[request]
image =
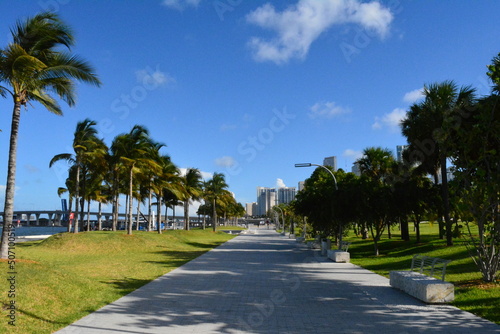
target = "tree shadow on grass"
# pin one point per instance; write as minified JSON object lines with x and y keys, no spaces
{"x":174,"y":259}
{"x":34,"y":316}
{"x":126,"y":285}
{"x":203,"y":245}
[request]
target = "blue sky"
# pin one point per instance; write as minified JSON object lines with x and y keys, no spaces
{"x":249,"y":88}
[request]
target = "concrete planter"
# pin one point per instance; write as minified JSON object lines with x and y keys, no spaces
{"x":339,"y":256}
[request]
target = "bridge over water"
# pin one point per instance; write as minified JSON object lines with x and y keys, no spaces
{"x":59,"y":217}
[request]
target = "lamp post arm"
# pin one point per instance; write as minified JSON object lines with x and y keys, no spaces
{"x":329,"y":171}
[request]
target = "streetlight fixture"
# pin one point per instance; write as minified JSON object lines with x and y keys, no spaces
{"x":282,"y":216}
{"x":308,"y":164}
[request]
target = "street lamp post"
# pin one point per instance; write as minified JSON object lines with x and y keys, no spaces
{"x":282,"y":216}
{"x":308,"y":164}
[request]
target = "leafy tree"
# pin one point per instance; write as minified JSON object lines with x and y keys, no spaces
{"x":494,"y":73}
{"x":33,"y":67}
{"x":476,"y":157}
{"x":376,"y":167}
{"x":316,"y":201}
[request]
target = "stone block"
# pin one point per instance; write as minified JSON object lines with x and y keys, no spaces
{"x":339,"y":255}
{"x":428,"y":289}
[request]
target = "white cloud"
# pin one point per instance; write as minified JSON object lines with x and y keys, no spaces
{"x":352,"y":154}
{"x":280,"y":183}
{"x":298,"y":26}
{"x":414,"y":95}
{"x":390,"y":120}
{"x":326,"y":110}
{"x":204,"y":175}
{"x":152,"y":77}
{"x":225,"y":161}
{"x":181,"y":4}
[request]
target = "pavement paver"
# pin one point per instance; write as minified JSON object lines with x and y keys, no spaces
{"x":263,"y":282}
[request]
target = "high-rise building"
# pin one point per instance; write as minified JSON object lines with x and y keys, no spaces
{"x":331,"y":161}
{"x":302,"y":185}
{"x":355,"y":169}
{"x":399,"y":152}
{"x":286,"y":194}
{"x":251,"y":209}
{"x":266,"y":199}
{"x":269,"y":197}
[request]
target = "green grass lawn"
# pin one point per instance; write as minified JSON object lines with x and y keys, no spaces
{"x":471,"y":294}
{"x":231,"y":228}
{"x":67,"y":276}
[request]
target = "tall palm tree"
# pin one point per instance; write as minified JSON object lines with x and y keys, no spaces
{"x":89,"y":155}
{"x":216,"y":188}
{"x":376,"y":163}
{"x":132,"y":150}
{"x":34,"y":68}
{"x":167,"y":180}
{"x":427,"y":131}
{"x":191,"y":184}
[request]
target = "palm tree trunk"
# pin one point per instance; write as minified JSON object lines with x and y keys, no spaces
{"x":88,"y":215}
{"x":131,"y":176}
{"x":446,"y":202}
{"x":173,"y":217}
{"x":69,"y":213}
{"x":77,"y":197}
{"x":186,"y":215}
{"x":11,"y":180}
{"x":99,"y":217}
{"x":214,"y":216}
{"x":115,"y":213}
{"x":138,"y":215}
{"x":158,"y":209}
{"x":150,"y":209}
{"x":439,"y":210}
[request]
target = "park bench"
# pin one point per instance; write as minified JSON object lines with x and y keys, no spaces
{"x":425,"y":280}
{"x":340,"y":255}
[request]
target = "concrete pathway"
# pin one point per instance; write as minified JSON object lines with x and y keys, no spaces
{"x":263,"y":282}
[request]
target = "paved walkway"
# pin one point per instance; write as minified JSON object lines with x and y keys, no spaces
{"x":267,"y":283}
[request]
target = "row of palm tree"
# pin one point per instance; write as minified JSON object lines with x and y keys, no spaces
{"x":134,"y":166}
{"x":37,"y":66}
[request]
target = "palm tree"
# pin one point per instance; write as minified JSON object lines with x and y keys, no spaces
{"x":34,"y":69}
{"x":171,"y":199}
{"x":215,"y":190}
{"x":167,"y":180}
{"x":89,"y":155}
{"x":427,"y":131}
{"x":132,"y":150}
{"x":191,"y":184}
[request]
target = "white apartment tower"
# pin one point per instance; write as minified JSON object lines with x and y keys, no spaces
{"x":331,"y":161}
